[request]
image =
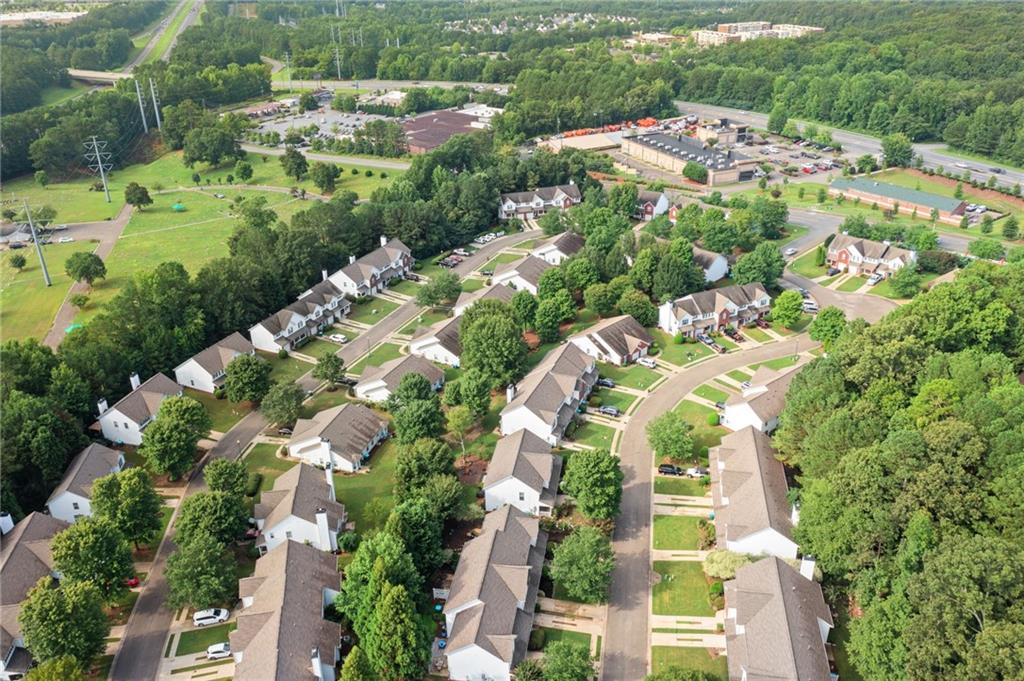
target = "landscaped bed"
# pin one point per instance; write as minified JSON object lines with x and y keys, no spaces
{"x":683,"y":589}
{"x":676,"y":532}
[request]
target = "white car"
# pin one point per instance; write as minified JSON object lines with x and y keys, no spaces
{"x":218,"y":651}
{"x":646,"y":362}
{"x":874,"y":279}
{"x":65,"y":240}
{"x":790,"y":251}
{"x":338,"y":338}
{"x":203,"y":618}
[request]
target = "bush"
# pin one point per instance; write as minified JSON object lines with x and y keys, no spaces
{"x":716,"y":595}
{"x":594,"y":401}
{"x":252,"y":485}
{"x":282,"y":354}
{"x":653,"y":351}
{"x":220,"y":393}
{"x":537,"y":639}
{"x":712,"y":419}
{"x":679,"y":338}
{"x":348,"y":541}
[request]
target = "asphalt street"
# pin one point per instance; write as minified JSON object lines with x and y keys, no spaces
{"x":332,"y":158}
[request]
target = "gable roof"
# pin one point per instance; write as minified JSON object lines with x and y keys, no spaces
{"x":876,"y":250}
{"x":88,"y":466}
{"x":647,"y":196}
{"x":567,"y":243}
{"x":285,"y":621}
{"x":279,"y":321}
{"x":546,"y":389}
{"x":377,"y":260}
{"x":446,"y":332}
{"x":768,"y":403}
{"x":216,"y":358}
{"x":529,"y":268}
{"x":896,"y":193}
{"x":709,"y":302}
{"x":497,"y":571}
{"x":623,"y":334}
{"x":323,"y":292}
{"x":144,"y":402}
{"x":392,"y":372}
{"x":779,"y":610}
{"x":527,"y":458}
{"x":706,"y":258}
{"x":349,"y":427}
{"x":546,"y":194}
{"x":25,"y":558}
{"x":754,"y":482}
{"x":300,"y":491}
{"x":500,"y":292}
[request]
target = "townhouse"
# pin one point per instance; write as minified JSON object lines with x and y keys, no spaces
{"x":499,"y":292}
{"x":378,"y":383}
{"x":314,"y":310}
{"x":522,"y":473}
{"x":25,"y":558}
{"x":864,"y":256}
{"x":522,"y":275}
{"x":340,"y":438}
{"x":439,"y":343}
{"x":282,"y":630}
{"x":301,"y":506}
{"x":124,"y":422}
{"x":748,"y":489}
{"x":559,"y":248}
{"x":72,"y":498}
{"x":650,"y":205}
{"x":776,"y":624}
{"x":760,"y":403}
{"x":547,"y":399}
{"x":532,"y":204}
{"x":371,"y":273}
{"x":490,"y":606}
{"x":708,"y":311}
{"x":619,"y":340}
{"x":206,"y":369}
{"x":715,"y":265}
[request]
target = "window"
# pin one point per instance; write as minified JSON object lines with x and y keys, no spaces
{"x":522,"y":496}
{"x":74,"y":505}
{"x":127,"y":427}
{"x":288,"y":534}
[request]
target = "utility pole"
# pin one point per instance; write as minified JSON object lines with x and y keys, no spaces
{"x":337,"y":60}
{"x":156,"y":105}
{"x":35,"y":240}
{"x":360,"y":36}
{"x":288,"y":67}
{"x":100,"y":159}
{"x":337,"y":8}
{"x":142,"y":107}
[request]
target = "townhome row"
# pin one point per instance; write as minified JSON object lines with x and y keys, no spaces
{"x":709,"y":311}
{"x":864,"y":256}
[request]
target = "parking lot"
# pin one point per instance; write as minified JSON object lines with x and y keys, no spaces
{"x":330,"y":123}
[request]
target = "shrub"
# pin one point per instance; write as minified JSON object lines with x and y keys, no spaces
{"x":679,"y":338}
{"x":252,"y":484}
{"x":594,"y":401}
{"x":348,"y":541}
{"x":712,"y":419}
{"x":368,"y":173}
{"x":653,"y":351}
{"x":282,"y":354}
{"x":537,"y":639}
{"x":706,"y":534}
{"x":220,"y":393}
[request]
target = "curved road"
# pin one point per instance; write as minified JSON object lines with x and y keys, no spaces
{"x":331,"y":158}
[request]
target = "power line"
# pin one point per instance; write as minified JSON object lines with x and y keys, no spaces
{"x":142,"y":107}
{"x":156,"y":104}
{"x":100,"y":160}
{"x":35,"y":240}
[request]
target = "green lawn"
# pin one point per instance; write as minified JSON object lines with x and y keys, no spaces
{"x":194,"y":641}
{"x":757,"y":334}
{"x":55,"y":94}
{"x":285,"y":370}
{"x":584,"y":320}
{"x":358,"y":490}
{"x":712,"y":394}
{"x":223,"y":413}
{"x":263,"y":459}
{"x":27,"y":304}
{"x":425,"y":318}
{"x":472,"y":284}
{"x":884,"y":288}
{"x":166,"y":38}
{"x":778,"y":363}
{"x":792,"y":233}
{"x":678,"y":353}
{"x":579,"y":638}
{"x":934,"y":185}
{"x":805,"y":267}
{"x":801,"y":324}
{"x":841,"y":639}
{"x":594,"y":434}
{"x":371,"y":310}
{"x":319,"y":347}
{"x":615,"y":398}
{"x":738,"y":376}
{"x":852,"y":284}
{"x":325,"y":399}
{"x":678,"y":486}
{"x":683,"y":589}
{"x":482,"y":445}
{"x":635,"y":376}
{"x":724,"y":341}
{"x":676,"y":532}
{"x":829,"y":281}
{"x":703,"y":434}
{"x":405,"y":287}
{"x":697,"y":659}
{"x":500,"y":259}
{"x":385,"y":352}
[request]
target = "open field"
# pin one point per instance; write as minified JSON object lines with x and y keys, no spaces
{"x":56,"y":94}
{"x":27,"y":305}
{"x":683,"y":589}
{"x":676,"y":532}
{"x":698,"y":659}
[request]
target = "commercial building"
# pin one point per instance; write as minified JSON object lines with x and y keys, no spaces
{"x":750,"y":30}
{"x":724,"y":131}
{"x":430,"y":130}
{"x":905,"y":200}
{"x":673,"y":152}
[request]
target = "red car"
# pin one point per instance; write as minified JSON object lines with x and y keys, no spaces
{"x":762,"y":324}
{"x":131,"y":582}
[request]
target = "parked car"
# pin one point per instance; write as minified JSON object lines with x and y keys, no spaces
{"x":790,"y":251}
{"x":720,"y":406}
{"x":338,"y":338}
{"x":810,"y":307}
{"x":804,"y":293}
{"x":745,"y":384}
{"x":720,"y":349}
{"x":606,"y":382}
{"x":832,"y":271}
{"x":345,"y":380}
{"x":218,"y":651}
{"x":762,"y":323}
{"x":284,"y":431}
{"x":65,"y":239}
{"x":131,"y":582}
{"x":210,"y":616}
{"x":874,"y":279}
{"x":734,"y":334}
{"x":461,"y":251}
{"x":705,"y":339}
{"x":487,"y":273}
{"x":669,"y":469}
{"x":695,"y":472}
{"x":609,"y":411}
{"x":646,"y":362}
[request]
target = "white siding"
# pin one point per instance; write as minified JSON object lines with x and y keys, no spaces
{"x":718,"y":269}
{"x":473,"y":663}
{"x":119,"y":429}
{"x":430,"y":348}
{"x":522,"y":418}
{"x":263,"y":339}
{"x":63,"y":507}
{"x":316,"y":452}
{"x":514,"y":492}
{"x":513,"y":279}
{"x":375,"y":391}
{"x":549,"y":254}
{"x":191,"y":375}
{"x":301,"y":531}
{"x":739,"y":416}
{"x":766,"y":542}
{"x":598,"y":352}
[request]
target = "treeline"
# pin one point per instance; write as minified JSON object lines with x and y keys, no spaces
{"x":908,"y":438}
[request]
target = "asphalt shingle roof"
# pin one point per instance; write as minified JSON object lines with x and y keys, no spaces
{"x":300,"y":491}
{"x":527,"y":458}
{"x":349,"y":427}
{"x":88,"y":466}
{"x":144,"y":402}
{"x":392,"y":372}
{"x":529,"y":268}
{"x":216,"y":358}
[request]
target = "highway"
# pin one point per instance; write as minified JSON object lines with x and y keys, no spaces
{"x":858,"y":144}
{"x":374,"y":84}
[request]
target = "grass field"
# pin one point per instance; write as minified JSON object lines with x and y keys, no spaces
{"x":223,"y":413}
{"x":385,"y":352}
{"x":778,"y":363}
{"x":371,"y":310}
{"x":472,"y":284}
{"x":683,"y":589}
{"x":56,"y":94}
{"x":262,"y":459}
{"x":703,"y":435}
{"x":406,"y":287}
{"x":325,"y":399}
{"x":500,"y":259}
{"x":680,"y":486}
{"x":594,"y":434}
{"x":638,"y":377}
{"x":738,"y":375}
{"x":852,"y":284}
{"x":285,"y":370}
{"x":934,"y":185}
{"x":697,"y":659}
{"x":425,"y":318}
{"x":194,"y":641}
{"x":676,"y":532}
{"x":757,"y":334}
{"x":575,"y":637}
{"x":712,"y":394}
{"x":805,"y":267}
{"x":884,"y":288}
{"x":615,"y":398}
{"x":357,"y":490}
{"x":27,"y":305}
{"x":318,"y":347}
{"x":678,"y":353}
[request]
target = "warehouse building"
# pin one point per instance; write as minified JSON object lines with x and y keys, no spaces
{"x":906,"y":200}
{"x":673,"y":152}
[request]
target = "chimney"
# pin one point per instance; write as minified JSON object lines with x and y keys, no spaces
{"x":383,"y":240}
{"x":102,"y":405}
{"x":134,"y":380}
{"x":323,"y":532}
{"x":6,"y":522}
{"x":323,"y":275}
{"x":510,"y":392}
{"x":329,"y":474}
{"x":351,"y":259}
{"x":807,"y":564}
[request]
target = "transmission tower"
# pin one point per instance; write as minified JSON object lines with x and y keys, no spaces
{"x":35,"y":240}
{"x":99,"y":161}
{"x":142,"y":107}
{"x":156,"y":104}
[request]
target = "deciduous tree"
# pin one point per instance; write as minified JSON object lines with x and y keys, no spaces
{"x":828,"y":325}
{"x":594,"y":479}
{"x":565,"y":661}
{"x":763,"y":265}
{"x":63,"y":668}
{"x":418,"y":462}
{"x":247,"y":378}
{"x":130,"y":502}
{"x":226,"y":475}
{"x":494,"y":346}
{"x":283,"y":403}
{"x":638,"y":306}
{"x":419,"y":418}
{"x":787,"y":308}
{"x":669,"y":435}
{"x":219,"y":515}
{"x":64,"y":621}
{"x":583,"y":564}
{"x":294,"y":163}
{"x":200,"y":574}
{"x":137,"y":195}
{"x":84,"y":266}
{"x":325,"y":176}
{"x":169,"y":443}
{"x":93,"y":550}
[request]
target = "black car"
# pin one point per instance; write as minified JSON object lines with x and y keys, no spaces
{"x":345,"y":380}
{"x":606,"y":382}
{"x":669,"y":469}
{"x":832,"y":271}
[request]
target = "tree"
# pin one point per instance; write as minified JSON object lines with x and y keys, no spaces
{"x":677,"y":275}
{"x":623,"y":199}
{"x":329,"y":368}
{"x":137,"y":195}
{"x":243,"y":171}
{"x":523,"y":307}
{"x":17,"y":261}
{"x":411,"y":387}
{"x":639,"y":307}
{"x":66,"y":620}
{"x":583,"y":564}
{"x":460,"y":419}
{"x":169,"y":443}
{"x":130,"y":502}
{"x":594,"y":479}
{"x":211,"y":145}
{"x":600,"y":298}
{"x":78,"y":300}
{"x":827,"y":326}
{"x":579,"y":273}
{"x":294,"y":163}
{"x":417,"y":419}
{"x":669,"y":435}
{"x":906,"y":282}
{"x":226,"y":475}
{"x":443,"y":287}
{"x":63,"y":668}
{"x":395,"y":644}
{"x":788,"y":308}
{"x":247,"y":378}
{"x":529,"y":670}
{"x":777,"y":119}
{"x":547,"y":320}
{"x":565,"y":661}
{"x":381,"y":558}
{"x":416,"y":522}
{"x":42,"y":178}
{"x":1011,"y":230}
{"x":696,"y":172}
{"x":722,"y":564}
{"x":418,"y":462}
{"x":85,"y":266}
{"x":551,"y":282}
{"x":325,"y":176}
{"x":283,"y":402}
{"x":200,"y":574}
{"x":989,"y":249}
{"x":897,"y":150}
{"x":357,"y":666}
{"x":93,"y":550}
{"x":494,"y":346}
{"x":763,"y":265}
{"x":219,"y":515}
{"x":986,"y":224}
{"x":472,"y":389}
{"x":307,"y":102}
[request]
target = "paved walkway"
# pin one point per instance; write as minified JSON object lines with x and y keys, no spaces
{"x":688,"y":640}
{"x":681,"y":554}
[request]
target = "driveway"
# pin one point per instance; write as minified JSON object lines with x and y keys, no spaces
{"x":627,"y":649}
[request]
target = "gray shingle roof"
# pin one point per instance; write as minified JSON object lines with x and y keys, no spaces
{"x":767,"y":404}
{"x":88,"y":466}
{"x":284,"y":623}
{"x":25,"y":558}
{"x":216,"y":358}
{"x":527,"y":458}
{"x":392,"y":372}
{"x":324,"y":292}
{"x":544,"y":391}
{"x":712,"y":301}
{"x":779,"y":610}
{"x":497,"y":292}
{"x":446,"y":332}
{"x":895,"y":192}
{"x":754,"y":481}
{"x":546,"y":194}
{"x":144,"y":402}
{"x":349,"y":427}
{"x":623,"y":334}
{"x":567,"y":243}
{"x":529,"y":268}
{"x":300,"y":491}
{"x":377,"y":260}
